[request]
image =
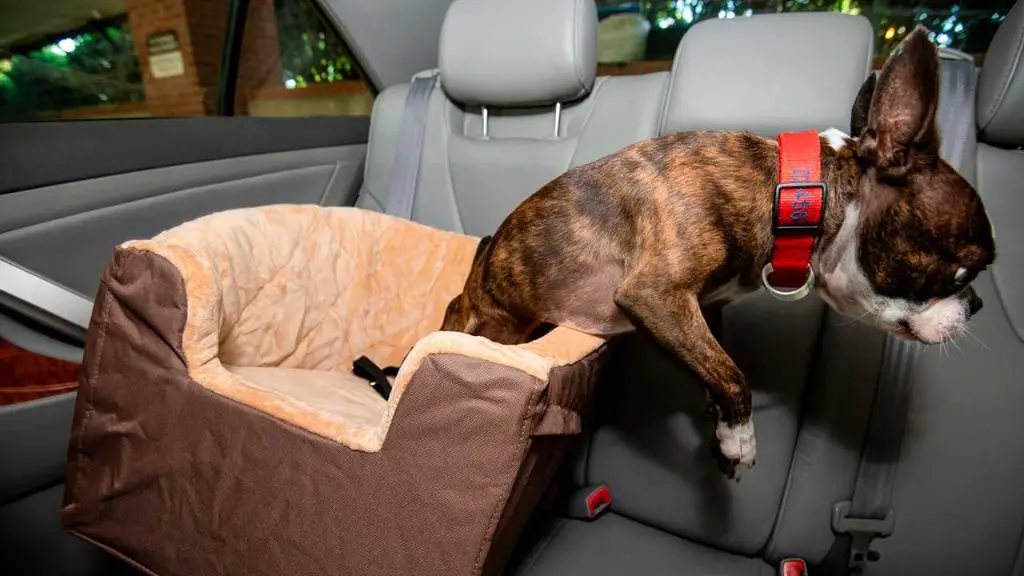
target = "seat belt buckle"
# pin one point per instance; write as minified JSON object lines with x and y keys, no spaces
{"x":588,"y":502}
{"x":793,"y":567}
{"x":862,"y":532}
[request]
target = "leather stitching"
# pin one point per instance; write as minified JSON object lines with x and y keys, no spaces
{"x":577,"y":42}
{"x":1006,"y":78}
{"x":101,"y":337}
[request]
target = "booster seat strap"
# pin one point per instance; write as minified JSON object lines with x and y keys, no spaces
{"x":365,"y":368}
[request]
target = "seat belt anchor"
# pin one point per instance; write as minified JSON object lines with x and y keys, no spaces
{"x":429,"y":72}
{"x":862,"y":532}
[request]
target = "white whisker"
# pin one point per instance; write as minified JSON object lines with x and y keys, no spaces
{"x":967,"y":330}
{"x":857,"y":319}
{"x":958,"y":348}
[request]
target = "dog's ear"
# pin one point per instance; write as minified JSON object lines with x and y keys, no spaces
{"x":900,"y":129}
{"x":861,"y":106}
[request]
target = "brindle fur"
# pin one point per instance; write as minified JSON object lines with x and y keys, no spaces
{"x":649,"y":236}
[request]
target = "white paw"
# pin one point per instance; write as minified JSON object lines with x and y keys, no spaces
{"x":738,"y":443}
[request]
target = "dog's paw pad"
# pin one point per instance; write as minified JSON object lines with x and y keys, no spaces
{"x":737,"y":444}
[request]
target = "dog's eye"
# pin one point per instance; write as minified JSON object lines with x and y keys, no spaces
{"x":964,"y":276}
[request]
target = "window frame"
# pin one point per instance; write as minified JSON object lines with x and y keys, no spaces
{"x":234,"y":37}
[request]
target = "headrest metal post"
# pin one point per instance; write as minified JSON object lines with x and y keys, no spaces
{"x":558,"y":118}
{"x":483,"y":116}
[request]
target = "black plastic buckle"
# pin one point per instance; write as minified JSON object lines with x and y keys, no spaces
{"x":778,"y":228}
{"x":862,"y":532}
{"x":364,"y":368}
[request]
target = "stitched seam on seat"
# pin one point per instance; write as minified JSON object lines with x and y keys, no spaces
{"x":309,"y":333}
{"x":405,"y":326}
{"x":222,"y":336}
{"x":509,"y":480}
{"x":812,"y":380}
{"x":1018,"y":565}
{"x":586,"y":121}
{"x":330,"y":183}
{"x":445,"y":131}
{"x":1007,"y":79}
{"x":93,"y":375}
{"x":370,"y":151}
{"x":671,"y":86}
{"x":578,"y":47}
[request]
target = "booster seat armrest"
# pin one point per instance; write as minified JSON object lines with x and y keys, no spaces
{"x":564,"y":346}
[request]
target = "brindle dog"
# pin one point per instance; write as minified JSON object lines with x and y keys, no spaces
{"x":663,"y":233}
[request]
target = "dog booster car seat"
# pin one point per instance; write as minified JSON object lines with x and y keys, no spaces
{"x":219,"y":428}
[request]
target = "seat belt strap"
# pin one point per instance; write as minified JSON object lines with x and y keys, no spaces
{"x":366,"y":369}
{"x":411,"y":131}
{"x":869,"y":514}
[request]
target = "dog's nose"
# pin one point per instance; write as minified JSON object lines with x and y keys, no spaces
{"x":974,"y":304}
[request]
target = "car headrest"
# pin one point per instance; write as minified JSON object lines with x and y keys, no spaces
{"x":518,"y":53}
{"x":1000,"y":103}
{"x":769,"y":73}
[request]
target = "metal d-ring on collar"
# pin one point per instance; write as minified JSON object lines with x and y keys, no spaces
{"x":787,"y":295}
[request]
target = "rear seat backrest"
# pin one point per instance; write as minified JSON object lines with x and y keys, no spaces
{"x":769,"y":73}
{"x":517,"y":59}
{"x":748,"y":73}
{"x":1000,"y":116}
{"x":958,"y":498}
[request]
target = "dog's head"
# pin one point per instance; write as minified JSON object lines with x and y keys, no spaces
{"x":916,"y":234}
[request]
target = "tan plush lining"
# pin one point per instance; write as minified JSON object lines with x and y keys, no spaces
{"x":289,"y":296}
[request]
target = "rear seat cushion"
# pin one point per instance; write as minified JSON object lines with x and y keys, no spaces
{"x":613,"y":544}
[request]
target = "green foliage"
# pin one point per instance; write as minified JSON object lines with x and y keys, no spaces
{"x":965,"y":29}
{"x":311,"y":51}
{"x":87,"y":67}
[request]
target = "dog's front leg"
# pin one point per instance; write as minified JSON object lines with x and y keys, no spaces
{"x":674,"y":318}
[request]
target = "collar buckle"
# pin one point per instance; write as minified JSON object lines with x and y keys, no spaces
{"x":798,"y":216}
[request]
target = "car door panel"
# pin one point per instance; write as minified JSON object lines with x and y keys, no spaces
{"x":39,"y":154}
{"x":160,"y":201}
{"x":35,"y":436}
{"x":26,"y":208}
{"x":70,"y":190}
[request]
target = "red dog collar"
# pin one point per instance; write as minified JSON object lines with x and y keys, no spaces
{"x":797,"y":215}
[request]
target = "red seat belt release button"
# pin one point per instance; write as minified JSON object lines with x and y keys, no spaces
{"x":793,"y":567}
{"x":598,"y":500}
{"x":798,"y":211}
{"x":589,"y":502}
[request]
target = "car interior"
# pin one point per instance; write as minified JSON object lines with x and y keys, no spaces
{"x":859,"y":434}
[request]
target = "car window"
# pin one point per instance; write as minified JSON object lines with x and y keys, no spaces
{"x":91,"y":59}
{"x":641,"y":37}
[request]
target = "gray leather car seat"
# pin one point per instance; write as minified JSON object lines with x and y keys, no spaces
{"x":672,"y":511}
{"x":959,"y":492}
{"x":959,"y":507}
{"x":517,"y":59}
